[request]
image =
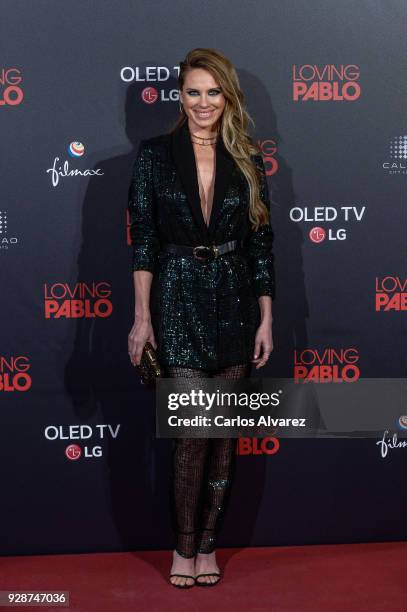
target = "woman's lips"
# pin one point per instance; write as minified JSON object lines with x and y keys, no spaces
{"x":204,"y":114}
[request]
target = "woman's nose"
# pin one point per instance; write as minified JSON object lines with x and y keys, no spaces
{"x":204,"y":102}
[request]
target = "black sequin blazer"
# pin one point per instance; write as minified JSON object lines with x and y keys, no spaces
{"x":204,"y":314}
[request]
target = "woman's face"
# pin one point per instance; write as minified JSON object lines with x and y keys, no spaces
{"x":202,"y":99}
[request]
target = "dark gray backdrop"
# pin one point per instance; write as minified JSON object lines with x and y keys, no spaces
{"x":329,"y":153}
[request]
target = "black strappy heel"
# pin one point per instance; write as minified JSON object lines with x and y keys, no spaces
{"x":183,"y":586}
{"x":219,"y":574}
{"x":208,"y":583}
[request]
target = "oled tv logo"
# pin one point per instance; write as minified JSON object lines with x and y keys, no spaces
{"x":152,"y":74}
{"x":93,"y":434}
{"x":14,"y":373}
{"x":327,"y":365}
{"x":80,"y":301}
{"x":391,"y":293}
{"x":345,"y":215}
{"x":6,"y":241}
{"x":76,"y":150}
{"x":397,"y":163}
{"x":11,"y":93}
{"x":327,"y":83}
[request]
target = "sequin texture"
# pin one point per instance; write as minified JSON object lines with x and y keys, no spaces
{"x":204,"y":314}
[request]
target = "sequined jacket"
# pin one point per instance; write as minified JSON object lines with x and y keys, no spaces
{"x":204,"y":314}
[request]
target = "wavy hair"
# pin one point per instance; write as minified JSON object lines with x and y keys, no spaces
{"x":233,"y":123}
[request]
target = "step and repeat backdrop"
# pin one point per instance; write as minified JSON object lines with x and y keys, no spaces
{"x":82,"y":468}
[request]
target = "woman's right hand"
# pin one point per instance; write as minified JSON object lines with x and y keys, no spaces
{"x":141,"y":332}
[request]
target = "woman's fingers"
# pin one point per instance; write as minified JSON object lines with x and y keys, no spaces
{"x":262,"y":352}
{"x":138,"y":354}
{"x":136,"y":342}
{"x":153,"y":342}
{"x":257,"y":349}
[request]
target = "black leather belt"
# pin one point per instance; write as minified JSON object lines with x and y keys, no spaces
{"x":203,"y":253}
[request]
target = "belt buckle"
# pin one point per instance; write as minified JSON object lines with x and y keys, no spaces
{"x":197,"y":248}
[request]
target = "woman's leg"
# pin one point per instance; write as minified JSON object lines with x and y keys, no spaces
{"x":222,"y":458}
{"x":188,"y":464}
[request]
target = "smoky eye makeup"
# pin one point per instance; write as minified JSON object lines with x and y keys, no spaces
{"x":212,"y":92}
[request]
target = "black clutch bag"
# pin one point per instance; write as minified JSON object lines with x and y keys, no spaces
{"x":149,"y":367}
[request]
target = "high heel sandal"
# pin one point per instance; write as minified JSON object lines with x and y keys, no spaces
{"x":198,"y":583}
{"x":185,"y":585}
{"x":219,"y":574}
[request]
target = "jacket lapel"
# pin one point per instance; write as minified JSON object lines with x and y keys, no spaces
{"x":184,"y":159}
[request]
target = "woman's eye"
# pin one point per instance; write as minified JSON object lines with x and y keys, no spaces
{"x":212,"y":92}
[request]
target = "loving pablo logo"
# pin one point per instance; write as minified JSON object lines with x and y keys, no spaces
{"x":391,"y":293}
{"x":257,"y":446}
{"x":80,"y":301}
{"x":326,"y":83}
{"x":269,"y":149}
{"x":11,"y":93}
{"x":326,"y":365}
{"x":14,"y":373}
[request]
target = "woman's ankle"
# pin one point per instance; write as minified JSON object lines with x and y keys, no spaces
{"x":183,"y":555}
{"x":205,"y":554}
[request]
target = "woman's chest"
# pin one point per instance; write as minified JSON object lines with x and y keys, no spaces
{"x":173,"y":195}
{"x":205,"y":162}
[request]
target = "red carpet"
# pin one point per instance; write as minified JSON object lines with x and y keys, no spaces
{"x":337,"y":578}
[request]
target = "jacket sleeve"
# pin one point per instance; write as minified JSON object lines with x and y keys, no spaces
{"x":260,"y":245}
{"x":143,"y":230}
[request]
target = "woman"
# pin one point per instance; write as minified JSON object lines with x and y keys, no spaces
{"x":203,"y":278}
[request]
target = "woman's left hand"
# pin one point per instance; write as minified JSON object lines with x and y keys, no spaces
{"x":263,"y":344}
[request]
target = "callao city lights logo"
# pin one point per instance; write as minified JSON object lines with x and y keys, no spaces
{"x":6,"y":240}
{"x":78,"y":301}
{"x":61,"y":169}
{"x":396,"y":162}
{"x":391,"y":293}
{"x":344,"y":216}
{"x":326,"y":83}
{"x":90,"y":439}
{"x":15,"y":373}
{"x":11,"y":92}
{"x":326,"y":365}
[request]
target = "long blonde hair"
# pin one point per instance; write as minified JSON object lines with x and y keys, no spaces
{"x":234,"y":122}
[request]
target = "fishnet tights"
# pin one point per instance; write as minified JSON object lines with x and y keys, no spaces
{"x":202,"y":474}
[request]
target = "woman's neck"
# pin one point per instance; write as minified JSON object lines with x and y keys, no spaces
{"x":210,"y":132}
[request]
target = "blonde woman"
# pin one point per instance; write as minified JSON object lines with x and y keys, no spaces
{"x":204,"y":280}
